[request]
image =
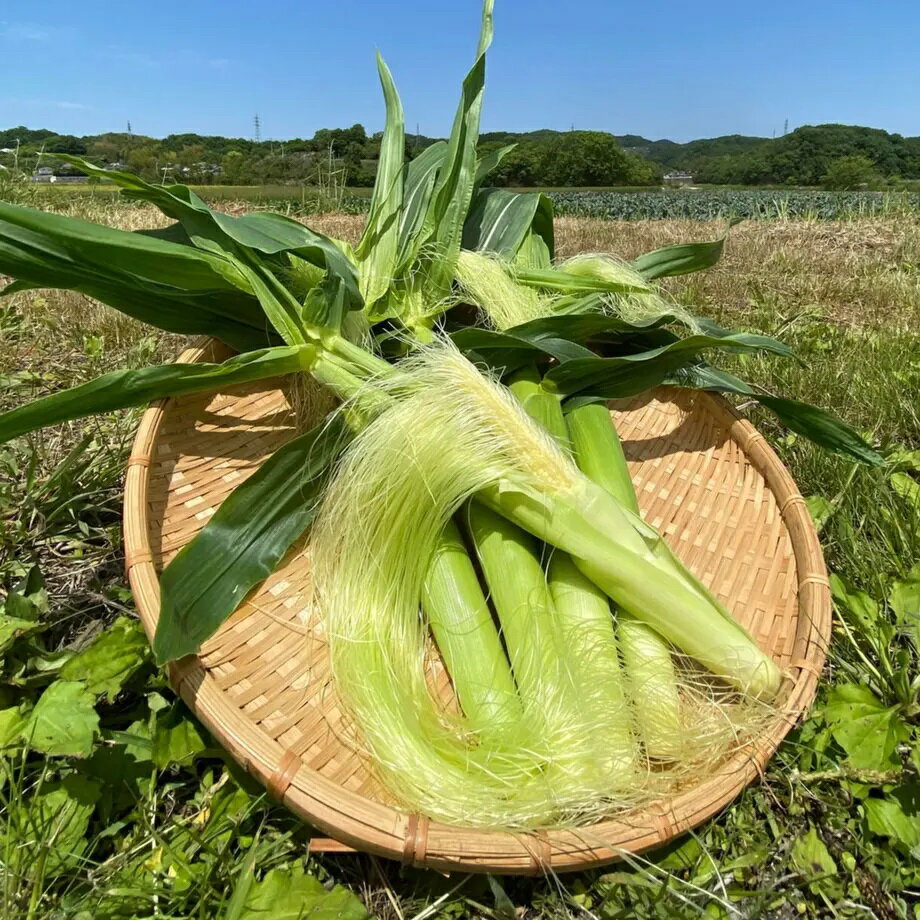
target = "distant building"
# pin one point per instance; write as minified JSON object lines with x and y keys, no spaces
{"x":46,"y":174}
{"x":678,"y":177}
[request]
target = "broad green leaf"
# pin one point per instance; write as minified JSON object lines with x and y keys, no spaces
{"x":534,"y":253}
{"x":809,"y":421}
{"x":13,"y":628}
{"x":626,"y":375}
{"x":811,"y":857}
{"x":420,"y":178}
{"x":868,"y":731}
{"x":904,"y":600}
{"x":56,"y":821}
{"x":378,"y":250}
{"x":858,"y":607}
{"x":28,"y":599}
{"x":820,"y":509}
{"x":908,"y":488}
{"x":500,"y":220}
{"x":243,"y":541}
{"x":290,"y":894}
{"x":105,"y":666}
{"x":176,"y":739}
{"x":12,"y":723}
{"x":121,"y":389}
{"x":485,"y":165}
{"x":681,"y":259}
{"x":63,"y":722}
{"x":449,"y":204}
{"x":170,"y":286}
{"x":896,"y":816}
{"x":244,"y":242}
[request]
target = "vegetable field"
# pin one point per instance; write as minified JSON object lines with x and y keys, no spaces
{"x":603,"y":204}
{"x":115,"y":803}
{"x":757,"y":204}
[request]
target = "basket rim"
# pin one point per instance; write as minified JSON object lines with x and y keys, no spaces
{"x":374,"y":827}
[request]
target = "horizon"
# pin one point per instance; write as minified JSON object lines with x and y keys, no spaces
{"x":729,"y":72}
{"x":370,"y":133}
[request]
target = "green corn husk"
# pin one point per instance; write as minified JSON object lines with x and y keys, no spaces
{"x":584,"y":613}
{"x":462,"y":626}
{"x":599,"y":452}
{"x":543,"y":407}
{"x":649,"y":666}
{"x":445,"y":434}
{"x":582,"y":608}
{"x":510,"y":562}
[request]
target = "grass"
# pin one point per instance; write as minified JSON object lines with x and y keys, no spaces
{"x":152,"y":820}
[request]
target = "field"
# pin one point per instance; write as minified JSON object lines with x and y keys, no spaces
{"x":604,"y":203}
{"x":135,"y":813}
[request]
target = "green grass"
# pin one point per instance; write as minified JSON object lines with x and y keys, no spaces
{"x":151,"y":819}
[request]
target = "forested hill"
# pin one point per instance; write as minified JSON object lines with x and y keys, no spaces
{"x":541,"y":158}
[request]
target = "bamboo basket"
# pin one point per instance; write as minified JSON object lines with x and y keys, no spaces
{"x":705,"y":478}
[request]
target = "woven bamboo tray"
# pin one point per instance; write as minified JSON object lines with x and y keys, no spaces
{"x":705,"y":478}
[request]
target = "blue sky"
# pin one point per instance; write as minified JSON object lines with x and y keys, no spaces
{"x":666,"y":69}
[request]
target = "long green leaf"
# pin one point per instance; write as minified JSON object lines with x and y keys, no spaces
{"x":122,"y":389}
{"x":811,"y":422}
{"x":682,"y":258}
{"x":625,"y":375}
{"x":500,"y":221}
{"x":169,"y":285}
{"x":379,"y":246}
{"x":243,"y":541}
{"x":420,"y":179}
{"x":450,"y":200}
{"x":487,"y":164}
{"x":245,"y":242}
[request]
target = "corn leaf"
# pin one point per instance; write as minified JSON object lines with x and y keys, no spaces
{"x":682,"y":258}
{"x":171,"y":286}
{"x":244,"y":540}
{"x":442,"y":228}
{"x":626,"y":375}
{"x":379,"y":246}
{"x":121,"y":389}
{"x":488,"y":163}
{"x":245,"y":242}
{"x":500,"y":221}
{"x":420,"y":179}
{"x":813,"y":423}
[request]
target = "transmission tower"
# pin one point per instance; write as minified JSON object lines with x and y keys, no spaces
{"x":786,"y":127}
{"x":257,"y":128}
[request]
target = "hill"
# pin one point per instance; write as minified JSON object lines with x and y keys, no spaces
{"x":542,"y":157}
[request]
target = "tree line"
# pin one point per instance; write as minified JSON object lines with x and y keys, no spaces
{"x":833,"y":155}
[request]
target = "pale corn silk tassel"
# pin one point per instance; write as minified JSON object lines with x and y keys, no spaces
{"x":488,"y":281}
{"x":448,"y":433}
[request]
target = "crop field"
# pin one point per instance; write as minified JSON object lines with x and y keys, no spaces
{"x":709,"y":204}
{"x":133,"y":811}
{"x":603,"y":204}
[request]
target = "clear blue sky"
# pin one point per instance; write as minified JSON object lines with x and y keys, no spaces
{"x":664,"y":69}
